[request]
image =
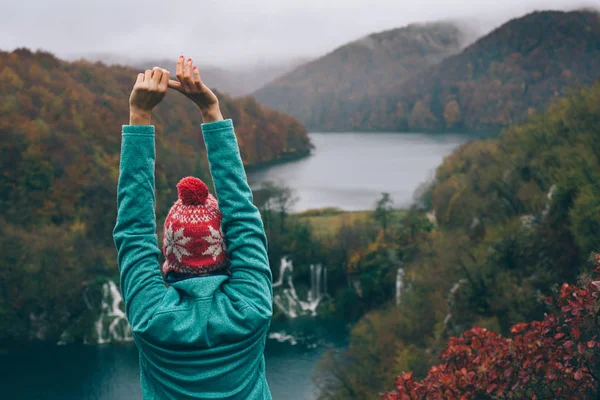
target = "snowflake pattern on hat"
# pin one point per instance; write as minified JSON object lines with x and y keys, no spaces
{"x":174,"y":242}
{"x":215,"y":239}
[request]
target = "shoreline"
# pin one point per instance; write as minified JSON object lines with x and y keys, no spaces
{"x":283,"y":158}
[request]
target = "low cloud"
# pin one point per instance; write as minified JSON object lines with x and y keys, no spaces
{"x":233,"y":32}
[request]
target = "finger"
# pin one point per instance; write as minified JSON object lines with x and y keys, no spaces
{"x":156,"y":76}
{"x":196,"y":75}
{"x":175,"y":85}
{"x":179,"y":69}
{"x":164,"y":80}
{"x":139,"y":79}
{"x":147,"y":76}
{"x":187,"y":73}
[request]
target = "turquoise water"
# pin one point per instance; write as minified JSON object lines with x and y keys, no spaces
{"x":111,"y":372}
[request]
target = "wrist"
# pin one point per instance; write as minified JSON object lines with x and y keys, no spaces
{"x":139,"y":117}
{"x":211,"y":114}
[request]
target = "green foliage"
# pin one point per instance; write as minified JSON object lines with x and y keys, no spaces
{"x":361,"y":259}
{"x":383,"y":209}
{"x":515,"y":216}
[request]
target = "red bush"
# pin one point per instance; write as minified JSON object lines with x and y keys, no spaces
{"x":556,"y":358}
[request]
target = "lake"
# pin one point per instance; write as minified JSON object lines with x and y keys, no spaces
{"x":111,"y":372}
{"x":347,"y":170}
{"x":351,"y":170}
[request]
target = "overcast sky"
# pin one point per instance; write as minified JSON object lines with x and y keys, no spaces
{"x":229,"y":32}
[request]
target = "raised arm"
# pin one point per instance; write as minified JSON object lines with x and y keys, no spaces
{"x":242,"y":225}
{"x":135,"y":230}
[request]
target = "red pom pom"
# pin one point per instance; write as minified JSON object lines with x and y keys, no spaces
{"x":192,"y":191}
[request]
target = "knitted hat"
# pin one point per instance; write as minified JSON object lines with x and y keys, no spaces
{"x":194,"y":243}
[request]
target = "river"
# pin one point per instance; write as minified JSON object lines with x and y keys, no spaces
{"x":347,"y":170}
{"x":351,"y":170}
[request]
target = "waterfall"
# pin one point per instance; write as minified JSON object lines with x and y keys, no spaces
{"x":357,"y":286}
{"x":399,"y":283}
{"x":311,"y":295}
{"x":288,"y":300}
{"x":39,"y":325}
{"x":286,"y":265}
{"x":283,"y":337}
{"x":451,"y":299}
{"x":318,"y":280}
{"x":112,"y":323}
{"x":325,"y":294}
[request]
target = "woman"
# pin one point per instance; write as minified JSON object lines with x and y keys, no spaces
{"x":202,"y":334}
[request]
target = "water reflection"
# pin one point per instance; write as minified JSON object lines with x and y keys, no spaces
{"x":351,"y":170}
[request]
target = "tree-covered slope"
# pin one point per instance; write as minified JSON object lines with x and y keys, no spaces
{"x":516,"y":218}
{"x":60,"y":128}
{"x":517,"y":69}
{"x":334,"y":92}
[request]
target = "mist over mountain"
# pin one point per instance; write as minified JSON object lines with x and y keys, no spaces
{"x":514,"y":71}
{"x":417,"y":77}
{"x":235,"y":80}
{"x":335,"y":87}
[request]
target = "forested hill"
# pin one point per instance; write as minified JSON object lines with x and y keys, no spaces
{"x":516,"y":218}
{"x":503,"y":77}
{"x":60,"y":135}
{"x":330,"y":92}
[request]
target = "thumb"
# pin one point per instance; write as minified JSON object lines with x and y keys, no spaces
{"x":175,"y":85}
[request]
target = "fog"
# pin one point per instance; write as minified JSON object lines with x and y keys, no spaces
{"x":234,"y":32}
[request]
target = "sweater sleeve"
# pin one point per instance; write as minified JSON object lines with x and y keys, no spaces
{"x":245,"y":237}
{"x":135,"y":230}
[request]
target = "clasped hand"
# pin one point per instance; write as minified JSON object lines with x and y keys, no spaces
{"x":151,"y":87}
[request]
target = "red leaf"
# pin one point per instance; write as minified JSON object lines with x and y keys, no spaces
{"x":578,"y":375}
{"x":518,"y":327}
{"x":576,"y":332}
{"x":559,"y":335}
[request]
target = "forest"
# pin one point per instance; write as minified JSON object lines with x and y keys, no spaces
{"x":330,"y":92}
{"x":60,"y":126}
{"x":502,"y":78}
{"x":499,"y":297}
{"x":420,"y":78}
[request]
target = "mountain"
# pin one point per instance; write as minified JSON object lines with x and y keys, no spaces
{"x":235,"y":81}
{"x":510,"y":73}
{"x":331,"y":92}
{"x":60,"y":126}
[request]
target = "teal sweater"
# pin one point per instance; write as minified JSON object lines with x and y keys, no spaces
{"x":204,"y":337}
